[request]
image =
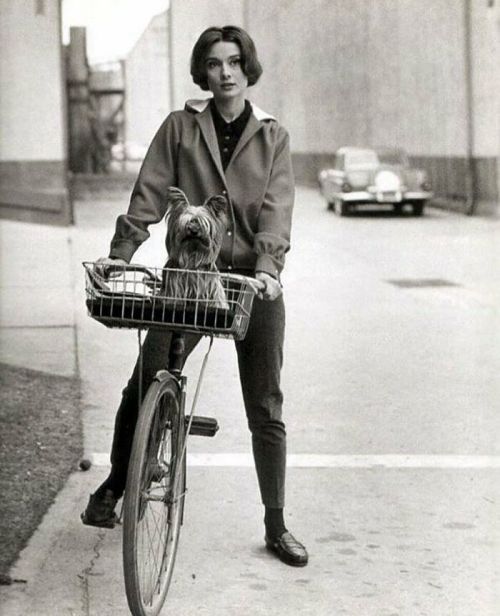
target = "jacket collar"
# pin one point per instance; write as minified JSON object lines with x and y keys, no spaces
{"x":204,"y":119}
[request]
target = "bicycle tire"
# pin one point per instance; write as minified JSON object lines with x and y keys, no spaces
{"x":153,"y":502}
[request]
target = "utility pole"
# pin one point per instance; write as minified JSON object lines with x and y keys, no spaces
{"x":78,"y":102}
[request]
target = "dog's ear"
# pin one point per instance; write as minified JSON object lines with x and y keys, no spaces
{"x":176,"y":198}
{"x":217,"y":205}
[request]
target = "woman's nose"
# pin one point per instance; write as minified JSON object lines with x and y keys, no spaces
{"x":225,"y":71}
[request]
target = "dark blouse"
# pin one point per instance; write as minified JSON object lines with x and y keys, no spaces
{"x":229,"y":133}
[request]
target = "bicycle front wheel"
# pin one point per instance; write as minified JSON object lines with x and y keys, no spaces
{"x":153,"y":502}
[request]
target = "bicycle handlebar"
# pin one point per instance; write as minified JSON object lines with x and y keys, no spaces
{"x":108,"y":269}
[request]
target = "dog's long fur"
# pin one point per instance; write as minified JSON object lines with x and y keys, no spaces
{"x":194,"y":239}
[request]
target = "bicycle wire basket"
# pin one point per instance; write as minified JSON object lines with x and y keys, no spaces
{"x":140,"y":297}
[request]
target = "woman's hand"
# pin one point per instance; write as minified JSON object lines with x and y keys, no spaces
{"x":104,"y":266}
{"x":271,"y":287}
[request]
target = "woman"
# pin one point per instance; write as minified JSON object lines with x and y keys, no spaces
{"x":223,"y":145}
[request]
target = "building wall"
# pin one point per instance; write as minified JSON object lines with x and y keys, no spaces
{"x":327,"y":55}
{"x":33,"y":184}
{"x":391,"y":72}
{"x":147,"y":98}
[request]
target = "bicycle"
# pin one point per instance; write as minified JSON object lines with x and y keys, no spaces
{"x":134,"y":296}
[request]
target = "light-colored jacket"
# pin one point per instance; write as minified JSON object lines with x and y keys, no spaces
{"x":258,"y":183}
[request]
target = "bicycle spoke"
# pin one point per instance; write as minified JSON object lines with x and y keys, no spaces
{"x":150,"y":591}
{"x":157,"y":546}
{"x":153,"y":535}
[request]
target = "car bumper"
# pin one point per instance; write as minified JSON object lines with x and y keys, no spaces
{"x":362,"y":196}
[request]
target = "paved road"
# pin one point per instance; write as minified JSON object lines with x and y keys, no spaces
{"x":391,"y":404}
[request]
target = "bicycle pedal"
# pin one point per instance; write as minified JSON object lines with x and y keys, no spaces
{"x":203,"y":426}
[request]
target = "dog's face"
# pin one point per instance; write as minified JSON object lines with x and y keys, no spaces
{"x":195,"y":232}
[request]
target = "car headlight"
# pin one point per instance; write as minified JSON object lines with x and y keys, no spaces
{"x":425,"y":186}
{"x":346,"y":187}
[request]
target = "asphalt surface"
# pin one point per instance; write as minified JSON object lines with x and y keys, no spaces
{"x":391,"y":394}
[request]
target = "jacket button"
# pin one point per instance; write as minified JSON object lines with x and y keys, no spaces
{"x":229,"y":267}
{"x":229,"y":233}
{"x":224,"y":192}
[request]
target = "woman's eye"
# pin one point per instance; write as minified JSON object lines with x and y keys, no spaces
{"x":211,"y":65}
{"x":236,"y":62}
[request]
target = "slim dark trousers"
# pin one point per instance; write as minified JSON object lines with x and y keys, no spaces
{"x":260,"y":358}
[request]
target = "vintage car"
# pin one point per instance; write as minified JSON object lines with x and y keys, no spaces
{"x":362,"y":177}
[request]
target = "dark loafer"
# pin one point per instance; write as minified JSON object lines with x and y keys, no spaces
{"x":100,"y":511}
{"x":288,"y":549}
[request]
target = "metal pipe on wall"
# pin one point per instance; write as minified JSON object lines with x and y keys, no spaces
{"x":170,"y":48}
{"x":470,"y":177}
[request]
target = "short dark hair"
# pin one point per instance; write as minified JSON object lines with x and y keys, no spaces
{"x":250,"y":64}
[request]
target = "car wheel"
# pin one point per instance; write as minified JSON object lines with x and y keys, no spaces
{"x":398,"y":209}
{"x":330,"y":206}
{"x":418,"y":208}
{"x":342,"y":208}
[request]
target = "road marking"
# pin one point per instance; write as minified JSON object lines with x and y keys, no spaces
{"x":313,"y":460}
{"x":56,"y":326}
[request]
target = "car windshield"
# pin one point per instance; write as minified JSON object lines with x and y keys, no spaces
{"x":361,"y":159}
{"x":371,"y":159}
{"x":392,"y":157}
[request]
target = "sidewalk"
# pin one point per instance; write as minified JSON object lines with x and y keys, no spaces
{"x":383,"y":540}
{"x":36,"y":304}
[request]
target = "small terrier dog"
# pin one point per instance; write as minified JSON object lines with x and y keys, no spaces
{"x":194,"y":239}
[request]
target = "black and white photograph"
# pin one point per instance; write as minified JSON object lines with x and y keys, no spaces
{"x":250,"y":307}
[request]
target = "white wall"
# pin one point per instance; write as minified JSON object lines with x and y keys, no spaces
{"x":31,"y":82}
{"x":147,"y":96}
{"x":379,"y":72}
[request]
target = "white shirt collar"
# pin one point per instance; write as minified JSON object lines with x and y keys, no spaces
{"x":200,"y":105}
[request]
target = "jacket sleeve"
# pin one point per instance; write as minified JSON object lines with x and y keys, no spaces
{"x":148,"y":200}
{"x":272,"y":239}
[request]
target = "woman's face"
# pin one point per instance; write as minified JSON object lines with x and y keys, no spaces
{"x":225,"y":77}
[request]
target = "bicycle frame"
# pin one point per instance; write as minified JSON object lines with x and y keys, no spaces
{"x":174,"y":368}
